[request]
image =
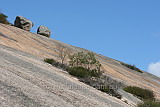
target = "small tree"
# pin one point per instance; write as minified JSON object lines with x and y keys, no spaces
{"x":87,"y":61}
{"x":84,"y":65}
{"x":3,"y":18}
{"x":62,"y":52}
{"x":78,"y":59}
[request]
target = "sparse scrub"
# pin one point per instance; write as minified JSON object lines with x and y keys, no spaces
{"x":104,"y":84}
{"x":3,"y":18}
{"x":141,"y":93}
{"x":62,"y":52}
{"x":149,"y":103}
{"x":95,"y":73}
{"x":86,"y":63}
{"x":50,"y":61}
{"x":110,"y":91}
{"x":133,"y":67}
{"x":79,"y":72}
{"x":82,"y":72}
{"x":81,"y":65}
{"x":56,"y":64}
{"x":104,"y":89}
{"x":85,"y":66}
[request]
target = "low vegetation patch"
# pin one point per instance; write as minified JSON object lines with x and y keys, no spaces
{"x":86,"y":67}
{"x":147,"y":96}
{"x":110,"y":91}
{"x":104,"y":89}
{"x":105,"y":84}
{"x":141,"y":93}
{"x":50,"y":61}
{"x":133,"y":67}
{"x":79,"y":72}
{"x":82,"y":72}
{"x":3,"y":18}
{"x":56,"y":63}
{"x":150,"y":103}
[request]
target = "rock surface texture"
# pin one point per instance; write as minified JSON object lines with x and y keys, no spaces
{"x":43,"y":30}
{"x":23,"y":23}
{"x":27,"y":81}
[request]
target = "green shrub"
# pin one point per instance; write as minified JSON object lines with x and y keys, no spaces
{"x":3,"y":19}
{"x":85,"y":60}
{"x":79,"y":72}
{"x":133,"y":67}
{"x":143,"y":94}
{"x":104,"y":89}
{"x":95,"y":73}
{"x":150,"y":103}
{"x":82,"y":72}
{"x":50,"y":61}
{"x":86,"y":63}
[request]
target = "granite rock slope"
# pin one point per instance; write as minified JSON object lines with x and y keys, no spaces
{"x":25,"y":80}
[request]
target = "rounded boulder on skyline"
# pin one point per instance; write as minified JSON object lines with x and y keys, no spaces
{"x":43,"y":30}
{"x":23,"y":23}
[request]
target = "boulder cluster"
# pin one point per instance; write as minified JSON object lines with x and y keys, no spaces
{"x":26,"y":24}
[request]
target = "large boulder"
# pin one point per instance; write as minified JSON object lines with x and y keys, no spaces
{"x":43,"y":30}
{"x":23,"y":23}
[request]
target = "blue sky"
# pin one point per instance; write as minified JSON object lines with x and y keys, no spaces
{"x":126,"y":30}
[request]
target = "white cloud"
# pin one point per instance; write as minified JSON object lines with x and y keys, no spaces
{"x":154,"y":68}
